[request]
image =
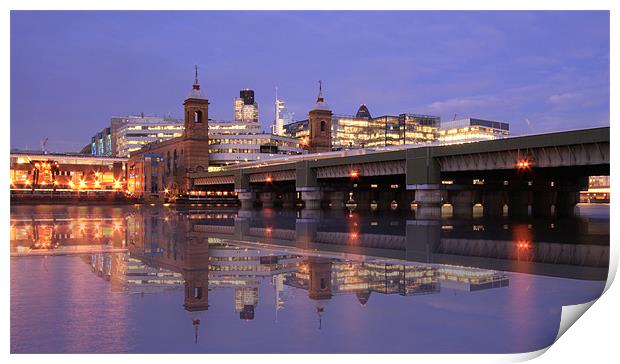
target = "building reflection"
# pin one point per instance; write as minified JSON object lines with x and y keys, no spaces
{"x":197,"y":252}
{"x":168,"y":250}
{"x":66,"y":234}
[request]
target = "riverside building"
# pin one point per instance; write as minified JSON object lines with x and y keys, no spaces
{"x":129,"y":133}
{"x":471,"y":130}
{"x":362,"y":130}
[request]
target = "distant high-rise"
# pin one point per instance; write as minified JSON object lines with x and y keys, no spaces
{"x":246,"y":109}
{"x":282,"y":117}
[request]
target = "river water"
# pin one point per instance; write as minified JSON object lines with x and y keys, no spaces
{"x":188,"y":279}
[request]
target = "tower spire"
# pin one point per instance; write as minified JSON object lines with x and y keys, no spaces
{"x":320,"y":97}
{"x":196,"y":85}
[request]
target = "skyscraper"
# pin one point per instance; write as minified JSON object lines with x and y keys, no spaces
{"x":282,"y":117}
{"x":246,"y":109}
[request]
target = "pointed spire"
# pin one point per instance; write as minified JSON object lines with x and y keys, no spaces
{"x":196,"y":93}
{"x":196,"y":85}
{"x":320,"y":97}
{"x":320,"y":100}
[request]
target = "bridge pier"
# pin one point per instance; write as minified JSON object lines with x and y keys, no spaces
{"x":336,"y":200}
{"x":289,"y":200}
{"x":462,"y":203}
{"x":362,"y":200}
{"x":267,"y":199}
{"x":519,"y":202}
{"x":306,"y":228}
{"x":421,"y":239}
{"x":428,"y":198}
{"x":404,"y":199}
{"x":247,"y":199}
{"x":566,"y":203}
{"x":543,"y":200}
{"x":311,"y":196}
{"x":493,"y":203}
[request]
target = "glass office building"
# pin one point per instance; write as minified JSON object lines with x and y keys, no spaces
{"x":471,"y":130}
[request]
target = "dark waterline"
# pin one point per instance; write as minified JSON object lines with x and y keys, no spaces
{"x":124,"y":279}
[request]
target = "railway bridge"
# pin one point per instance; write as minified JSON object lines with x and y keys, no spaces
{"x":537,"y":175}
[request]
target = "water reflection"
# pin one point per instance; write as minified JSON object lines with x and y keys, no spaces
{"x":267,"y":259}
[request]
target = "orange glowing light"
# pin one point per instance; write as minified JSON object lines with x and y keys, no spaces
{"x":117,"y":183}
{"x":269,"y":179}
{"x":523,"y":244}
{"x":55,"y":183}
{"x":27,"y":182}
{"x":166,"y":190}
{"x":354,"y":174}
{"x":523,"y":164}
{"x":97,"y":184}
{"x":43,"y":183}
{"x":82,"y":183}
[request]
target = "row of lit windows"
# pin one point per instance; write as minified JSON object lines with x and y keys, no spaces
{"x":254,"y":142}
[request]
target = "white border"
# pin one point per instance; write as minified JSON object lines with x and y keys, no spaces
{"x":592,"y":339}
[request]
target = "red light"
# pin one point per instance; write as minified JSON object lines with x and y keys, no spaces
{"x":355,"y":174}
{"x":269,"y":179}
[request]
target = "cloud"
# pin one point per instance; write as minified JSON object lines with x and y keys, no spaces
{"x":563,"y":98}
{"x":463,"y":103}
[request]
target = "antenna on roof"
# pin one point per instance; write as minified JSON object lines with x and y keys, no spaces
{"x":196,"y":79}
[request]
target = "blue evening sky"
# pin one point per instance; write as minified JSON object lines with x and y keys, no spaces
{"x":72,"y":71}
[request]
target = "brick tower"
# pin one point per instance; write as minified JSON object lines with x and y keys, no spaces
{"x":196,"y":134}
{"x":320,"y":125}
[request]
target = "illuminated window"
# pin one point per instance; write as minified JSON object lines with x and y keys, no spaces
{"x":198,"y":116}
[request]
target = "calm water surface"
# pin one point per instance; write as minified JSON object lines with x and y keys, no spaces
{"x":165,"y":279}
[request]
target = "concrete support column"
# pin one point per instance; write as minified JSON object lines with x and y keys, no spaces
{"x":289,"y":200}
{"x":242,"y":225}
{"x":566,"y":203}
{"x":543,"y":200}
{"x":428,"y":198}
{"x":267,"y":199}
{"x":362,"y":200}
{"x":422,"y":238}
{"x":247,"y":199}
{"x":462,"y":203}
{"x":306,"y":227}
{"x":518,"y":203}
{"x":493,"y":203}
{"x":312,"y":198}
{"x":337,"y":199}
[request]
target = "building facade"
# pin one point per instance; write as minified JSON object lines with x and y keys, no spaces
{"x":245,"y":107}
{"x":101,"y":144}
{"x":127,"y":134}
{"x":66,"y":172}
{"x":362,"y":130}
{"x":229,"y":148}
{"x":471,"y":130}
{"x":130,"y":133}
